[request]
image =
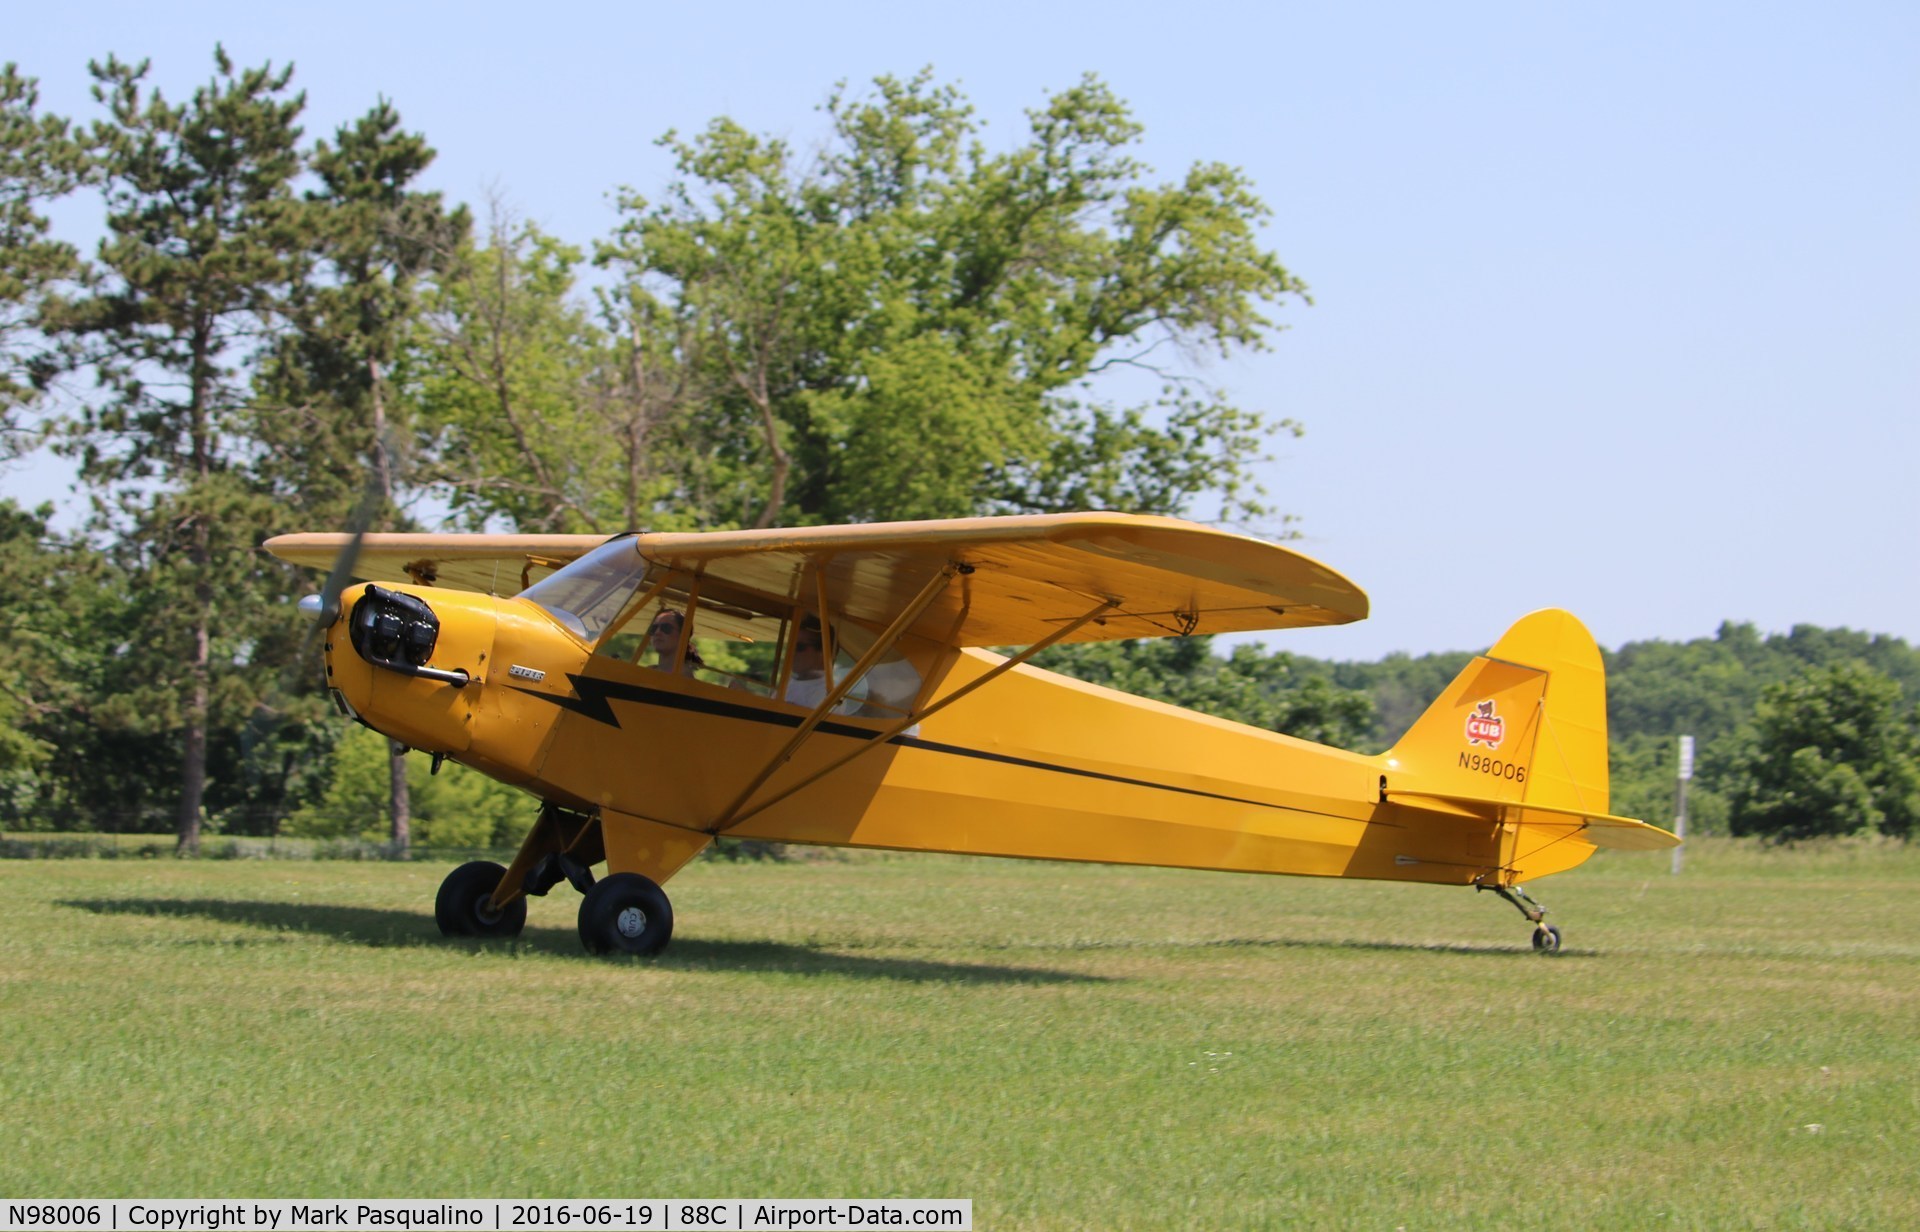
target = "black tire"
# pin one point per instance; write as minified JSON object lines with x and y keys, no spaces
{"x":461,"y":910}
{"x":625,"y":914}
{"x":1546,"y":939}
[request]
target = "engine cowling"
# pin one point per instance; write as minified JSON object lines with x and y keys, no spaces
{"x":407,"y":667}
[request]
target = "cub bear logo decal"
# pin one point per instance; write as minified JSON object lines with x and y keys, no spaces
{"x":1485,"y":727}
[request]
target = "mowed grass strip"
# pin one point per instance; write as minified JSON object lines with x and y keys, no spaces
{"x":1070,"y":1046}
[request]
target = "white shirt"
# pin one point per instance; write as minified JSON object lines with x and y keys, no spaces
{"x":810,"y":691}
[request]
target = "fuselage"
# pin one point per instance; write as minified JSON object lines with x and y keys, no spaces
{"x":1031,"y":765}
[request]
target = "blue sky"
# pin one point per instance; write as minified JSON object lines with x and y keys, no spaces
{"x":1614,"y":305}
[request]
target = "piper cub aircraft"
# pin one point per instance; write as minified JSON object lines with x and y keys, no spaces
{"x":877,"y":708}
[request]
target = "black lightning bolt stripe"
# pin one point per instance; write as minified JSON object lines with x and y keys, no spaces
{"x":596,"y":695}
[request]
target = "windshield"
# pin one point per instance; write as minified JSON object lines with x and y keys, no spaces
{"x":588,"y":594}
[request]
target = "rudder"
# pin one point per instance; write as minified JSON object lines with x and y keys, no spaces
{"x":1524,"y":723}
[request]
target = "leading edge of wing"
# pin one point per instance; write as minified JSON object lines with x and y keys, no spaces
{"x":486,"y":563}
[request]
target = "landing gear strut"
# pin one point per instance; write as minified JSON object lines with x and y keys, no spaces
{"x":1546,"y":938}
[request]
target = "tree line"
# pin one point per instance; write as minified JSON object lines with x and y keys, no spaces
{"x":280,"y":333}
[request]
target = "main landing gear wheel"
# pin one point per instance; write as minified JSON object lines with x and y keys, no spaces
{"x":464,"y":905}
{"x":1546,"y":939}
{"x":625,"y":914}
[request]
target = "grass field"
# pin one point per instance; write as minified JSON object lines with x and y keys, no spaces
{"x":1070,"y":1047}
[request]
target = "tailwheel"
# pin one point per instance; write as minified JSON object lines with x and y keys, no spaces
{"x":625,"y":913}
{"x":1546,"y":938}
{"x":464,"y":906}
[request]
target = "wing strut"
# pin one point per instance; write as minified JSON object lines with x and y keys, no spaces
{"x":901,"y":623}
{"x":733,"y":816}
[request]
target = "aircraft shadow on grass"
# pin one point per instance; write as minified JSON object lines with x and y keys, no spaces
{"x":1488,"y":950}
{"x":377,"y":928}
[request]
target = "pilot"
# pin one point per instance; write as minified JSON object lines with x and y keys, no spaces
{"x":807,"y":682}
{"x":664,"y":636}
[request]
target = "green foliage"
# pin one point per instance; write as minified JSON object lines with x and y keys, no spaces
{"x":1711,"y":689}
{"x":1278,"y":692}
{"x":337,"y":438}
{"x":498,"y":379}
{"x":456,"y":808}
{"x":30,"y":684}
{"x":1402,"y":687}
{"x":288,"y":335}
{"x":1100,"y":457}
{"x":69,"y":756}
{"x":912,"y":326}
{"x":40,"y":161}
{"x":204,"y":230}
{"x":1833,"y":751}
{"x":908,"y":326}
{"x":204,"y":237}
{"x":1645,"y":769}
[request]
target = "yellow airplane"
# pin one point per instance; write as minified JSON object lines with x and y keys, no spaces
{"x":873,"y":714}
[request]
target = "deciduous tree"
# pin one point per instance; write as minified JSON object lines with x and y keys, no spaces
{"x":1834,"y":751}
{"x":911,"y":326}
{"x":501,"y":381}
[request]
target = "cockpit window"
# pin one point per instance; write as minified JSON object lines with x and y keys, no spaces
{"x":589,"y":594}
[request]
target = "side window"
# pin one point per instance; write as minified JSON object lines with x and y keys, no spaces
{"x":625,"y":646}
{"x":700,"y":629}
{"x":719,"y":638}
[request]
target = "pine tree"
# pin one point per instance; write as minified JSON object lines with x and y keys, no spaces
{"x":329,"y":414}
{"x":40,"y":160}
{"x":204,"y":236}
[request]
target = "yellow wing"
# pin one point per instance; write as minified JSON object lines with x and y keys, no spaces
{"x":1019,"y":579}
{"x":488,"y":564}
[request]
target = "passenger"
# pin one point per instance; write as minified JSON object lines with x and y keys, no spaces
{"x":664,"y":636}
{"x":807,"y":682}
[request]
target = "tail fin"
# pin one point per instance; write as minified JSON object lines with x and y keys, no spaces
{"x":1520,"y":739}
{"x":1524,"y":723}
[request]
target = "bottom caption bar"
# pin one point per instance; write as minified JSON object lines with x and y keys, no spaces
{"x":489,"y":1214}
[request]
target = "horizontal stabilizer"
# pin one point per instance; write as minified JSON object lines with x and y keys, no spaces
{"x":1597,"y":829}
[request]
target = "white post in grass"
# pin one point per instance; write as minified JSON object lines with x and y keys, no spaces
{"x":1680,"y":813}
